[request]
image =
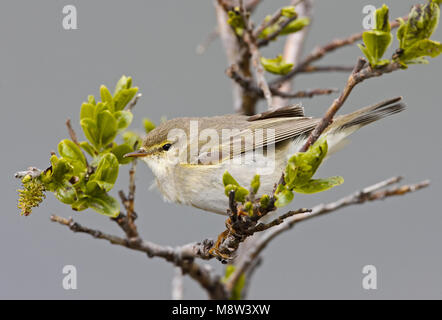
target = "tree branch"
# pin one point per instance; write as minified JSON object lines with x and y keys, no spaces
{"x":251,"y":42}
{"x":362,"y":71}
{"x":248,"y":85}
{"x":182,"y":257}
{"x":293,"y":47}
{"x":321,"y":51}
{"x":371,"y":193}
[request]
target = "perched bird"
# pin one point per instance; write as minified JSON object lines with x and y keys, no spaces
{"x":195,"y":177}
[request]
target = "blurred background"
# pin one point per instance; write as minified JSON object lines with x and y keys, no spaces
{"x":47,"y":72}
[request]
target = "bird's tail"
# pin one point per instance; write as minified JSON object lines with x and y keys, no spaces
{"x":345,"y":125}
{"x":364,"y":116}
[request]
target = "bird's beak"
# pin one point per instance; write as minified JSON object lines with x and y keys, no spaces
{"x":138,"y":153}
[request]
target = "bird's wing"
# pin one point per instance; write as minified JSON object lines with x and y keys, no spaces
{"x":285,"y":112}
{"x":260,"y":133}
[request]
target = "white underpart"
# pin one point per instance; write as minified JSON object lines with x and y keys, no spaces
{"x":201,"y":186}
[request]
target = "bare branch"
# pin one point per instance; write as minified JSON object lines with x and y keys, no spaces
{"x":262,"y":227}
{"x":294,"y":46}
{"x":321,"y":51}
{"x":177,"y":285}
{"x":248,"y":85}
{"x":256,"y":57}
{"x":304,"y":93}
{"x":362,"y":71}
{"x":265,"y":41}
{"x":182,"y":256}
{"x":74,"y":138}
{"x":72,"y":133}
{"x":231,"y":47}
{"x":202,"y":47}
{"x":371,"y":193}
{"x":313,"y":69}
{"x":33,"y":172}
{"x":133,"y":103}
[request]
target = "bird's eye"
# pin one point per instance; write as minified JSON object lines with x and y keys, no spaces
{"x":166,"y":146}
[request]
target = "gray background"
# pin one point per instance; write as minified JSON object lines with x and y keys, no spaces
{"x":46,"y":73}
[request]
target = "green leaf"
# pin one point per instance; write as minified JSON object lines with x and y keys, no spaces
{"x":248,"y":207}
{"x":106,"y":97}
{"x":277,"y":65}
{"x":88,"y":148}
{"x":236,"y":21}
{"x":107,"y":127}
{"x":228,"y":179}
{"x":80,"y":204}
{"x":60,"y":172}
{"x":422,"y":22}
{"x":420,"y":49}
{"x":376,"y":43}
{"x":283,"y":198}
{"x":69,"y":150}
{"x":87,"y":111}
{"x":148,"y":125}
{"x":120,"y":150}
{"x":319,"y":185}
{"x":303,"y":165}
{"x":106,"y":173}
{"x":90,"y":130}
{"x":378,"y":40}
{"x":239,"y":286}
{"x":382,"y":20}
{"x":132,"y":139}
{"x":123,"y":97}
{"x":101,"y":107}
{"x":288,"y":12}
{"x":124,"y":119}
{"x":255,"y":184}
{"x":240,"y":192}
{"x":104,"y":204}
{"x":91,"y":99}
{"x":264,"y":201}
{"x":66,"y":194}
{"x":123,"y":83}
{"x":295,"y":26}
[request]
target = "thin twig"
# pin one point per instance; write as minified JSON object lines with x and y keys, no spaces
{"x":265,"y":41}
{"x":319,"y":52}
{"x":266,"y":23}
{"x":74,"y":138}
{"x":202,"y":47}
{"x":256,"y":57}
{"x":248,"y":85}
{"x":368,"y":194}
{"x":264,"y":226}
{"x":131,"y":215}
{"x":177,"y":285}
{"x":362,"y":71}
{"x":133,"y":103}
{"x":294,"y":47}
{"x":314,"y":69}
{"x":72,"y":133}
{"x":182,"y":257}
{"x":231,"y":48}
{"x":304,"y":93}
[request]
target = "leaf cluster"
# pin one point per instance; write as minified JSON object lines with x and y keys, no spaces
{"x":298,"y":177}
{"x":73,"y":179}
{"x":413,"y":35}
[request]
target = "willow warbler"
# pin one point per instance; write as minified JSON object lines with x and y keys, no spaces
{"x":188,"y":156}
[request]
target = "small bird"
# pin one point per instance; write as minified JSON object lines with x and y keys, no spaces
{"x":191,"y":179}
